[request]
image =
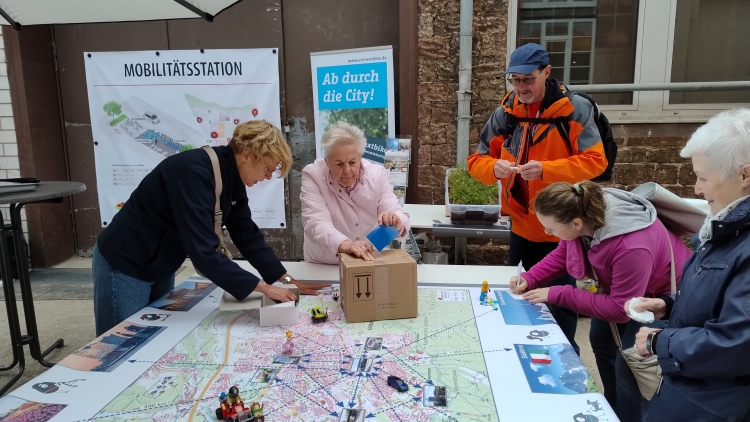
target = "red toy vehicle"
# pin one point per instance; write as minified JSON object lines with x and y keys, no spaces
{"x":232,"y":408}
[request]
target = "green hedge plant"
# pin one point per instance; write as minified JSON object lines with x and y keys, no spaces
{"x":466,"y":190}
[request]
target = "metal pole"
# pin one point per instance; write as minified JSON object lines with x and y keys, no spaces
{"x":464,"y":103}
{"x":464,"y":82}
{"x":677,"y":86}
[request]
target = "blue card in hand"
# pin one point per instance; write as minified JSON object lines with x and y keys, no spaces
{"x":381,"y":236}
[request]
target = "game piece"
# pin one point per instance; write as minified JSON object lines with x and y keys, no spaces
{"x":335,"y":296}
{"x":485,"y":290}
{"x":257,"y":411}
{"x":495,"y":305}
{"x":232,"y":408}
{"x":318,"y":316}
{"x":288,"y":347}
{"x":397,"y":383}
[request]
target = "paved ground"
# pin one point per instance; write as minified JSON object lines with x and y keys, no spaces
{"x":65,"y":309}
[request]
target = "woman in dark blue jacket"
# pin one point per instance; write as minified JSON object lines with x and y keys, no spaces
{"x":169,"y":217}
{"x":704,"y":352}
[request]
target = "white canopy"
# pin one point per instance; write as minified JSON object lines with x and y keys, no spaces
{"x":39,"y":12}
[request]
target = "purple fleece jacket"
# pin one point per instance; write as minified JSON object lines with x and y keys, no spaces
{"x":628,"y":263}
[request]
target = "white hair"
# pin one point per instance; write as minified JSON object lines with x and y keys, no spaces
{"x":342,"y":133}
{"x":724,"y":140}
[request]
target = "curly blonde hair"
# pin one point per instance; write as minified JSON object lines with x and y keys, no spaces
{"x":262,"y":139}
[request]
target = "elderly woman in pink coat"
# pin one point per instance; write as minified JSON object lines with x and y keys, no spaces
{"x":344,"y":197}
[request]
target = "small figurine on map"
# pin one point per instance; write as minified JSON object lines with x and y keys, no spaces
{"x":318,"y":315}
{"x":485,"y":290}
{"x":231,"y":407}
{"x":335,"y":296}
{"x":257,"y":411}
{"x":495,"y":305}
{"x":223,"y":408}
{"x":327,"y":312}
{"x":288,"y":347}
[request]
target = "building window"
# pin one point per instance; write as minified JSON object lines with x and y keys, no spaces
{"x":711,"y":44}
{"x":589,"y":42}
{"x":642,"y":42}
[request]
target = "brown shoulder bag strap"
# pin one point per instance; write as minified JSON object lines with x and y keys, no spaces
{"x":218,"y":187}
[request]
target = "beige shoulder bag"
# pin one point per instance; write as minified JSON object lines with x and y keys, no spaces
{"x":646,"y":370}
{"x":218,"y":187}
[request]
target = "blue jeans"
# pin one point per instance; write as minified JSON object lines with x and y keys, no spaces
{"x":522,"y":249}
{"x":117,"y":295}
{"x":620,"y":387}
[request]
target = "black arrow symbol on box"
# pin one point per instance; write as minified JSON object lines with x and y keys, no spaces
{"x":367,"y":293}
{"x":359,"y":291}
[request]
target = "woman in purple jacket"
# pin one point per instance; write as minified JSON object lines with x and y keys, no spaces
{"x":613,"y":237}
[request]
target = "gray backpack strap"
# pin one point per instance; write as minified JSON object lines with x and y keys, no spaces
{"x":218,"y":187}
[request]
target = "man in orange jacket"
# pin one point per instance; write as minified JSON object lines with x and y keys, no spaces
{"x":523,"y":148}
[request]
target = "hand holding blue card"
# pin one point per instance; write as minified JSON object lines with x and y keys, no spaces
{"x":381,"y":236}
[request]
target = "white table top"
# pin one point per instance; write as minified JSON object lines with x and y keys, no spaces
{"x":422,"y":216}
{"x":427,"y":275}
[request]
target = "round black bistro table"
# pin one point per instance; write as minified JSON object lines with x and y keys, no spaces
{"x":46,"y":192}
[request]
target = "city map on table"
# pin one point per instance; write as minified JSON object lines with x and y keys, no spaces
{"x":461,"y":361}
{"x":336,"y":368}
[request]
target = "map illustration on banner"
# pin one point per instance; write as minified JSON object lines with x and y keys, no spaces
{"x":554,"y":369}
{"x":355,"y":86}
{"x":146,"y":106}
{"x":517,"y":311}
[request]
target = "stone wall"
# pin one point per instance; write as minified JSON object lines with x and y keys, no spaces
{"x":438,"y":83}
{"x":646,"y":152}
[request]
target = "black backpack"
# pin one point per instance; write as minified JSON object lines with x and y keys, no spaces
{"x":563,"y":126}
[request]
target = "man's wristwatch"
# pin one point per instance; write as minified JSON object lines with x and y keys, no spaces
{"x":651,"y":341}
{"x":288,"y":279}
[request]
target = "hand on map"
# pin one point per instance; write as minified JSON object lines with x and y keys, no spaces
{"x":275,"y":293}
{"x":503,"y":169}
{"x":310,"y":288}
{"x":657,"y":306}
{"x":531,"y":170}
{"x":537,"y":295}
{"x":390,"y":219}
{"x":360,"y":249}
{"x":517,"y":287}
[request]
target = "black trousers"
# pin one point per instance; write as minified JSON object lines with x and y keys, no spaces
{"x":522,"y":249}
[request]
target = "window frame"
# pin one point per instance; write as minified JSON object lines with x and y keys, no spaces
{"x":647,"y":106}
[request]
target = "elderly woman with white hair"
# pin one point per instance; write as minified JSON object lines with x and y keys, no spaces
{"x":344,"y":197}
{"x":704,"y":352}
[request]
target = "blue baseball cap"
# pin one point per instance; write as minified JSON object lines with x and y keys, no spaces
{"x":527,"y":58}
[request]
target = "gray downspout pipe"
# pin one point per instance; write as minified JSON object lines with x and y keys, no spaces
{"x":464,"y":102}
{"x":464,"y":82}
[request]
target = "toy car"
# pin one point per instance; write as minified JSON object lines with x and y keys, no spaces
{"x":397,"y":383}
{"x":238,"y":413}
{"x":232,"y":408}
{"x":318,"y":315}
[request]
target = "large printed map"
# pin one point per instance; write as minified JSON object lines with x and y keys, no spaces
{"x":462,"y":361}
{"x":336,"y":367}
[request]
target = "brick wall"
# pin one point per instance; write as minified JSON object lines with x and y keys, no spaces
{"x":438,"y":83}
{"x":647,"y":152}
{"x":9,"y":164}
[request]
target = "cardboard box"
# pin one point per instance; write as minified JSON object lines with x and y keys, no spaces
{"x":271,"y":313}
{"x":382,"y":289}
